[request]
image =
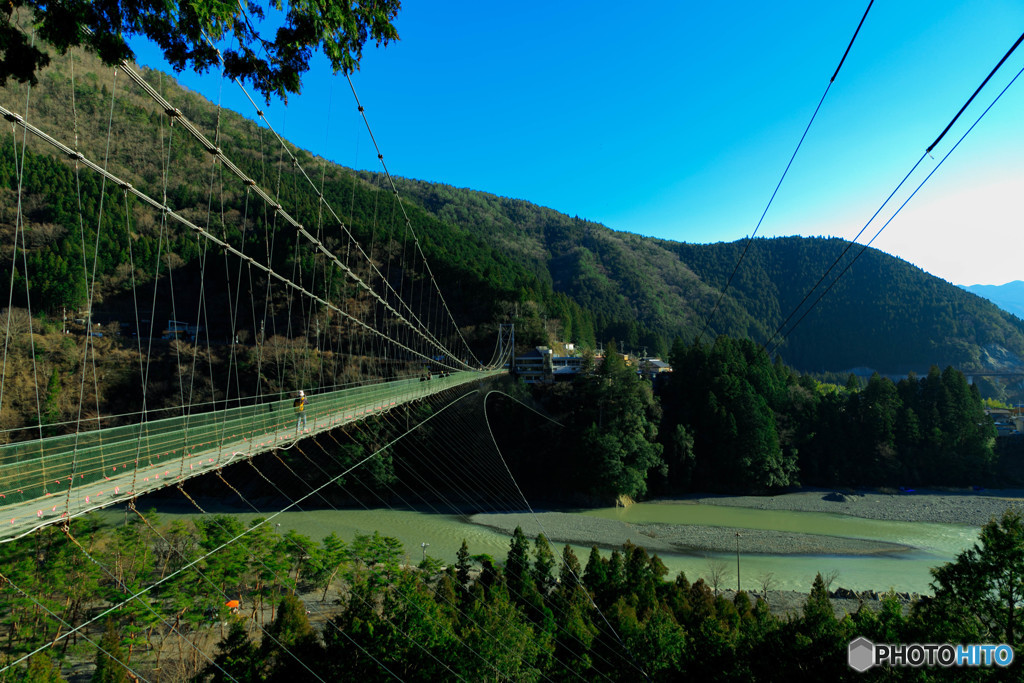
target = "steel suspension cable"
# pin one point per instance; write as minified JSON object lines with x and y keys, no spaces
{"x":271,"y":202}
{"x":9,"y":665}
{"x":458,"y":474}
{"x":413,"y":445}
{"x":622,"y":643}
{"x":323,"y":202}
{"x":408,"y":222}
{"x":171,"y":213}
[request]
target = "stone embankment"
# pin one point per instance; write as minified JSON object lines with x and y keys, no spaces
{"x":844,"y":601}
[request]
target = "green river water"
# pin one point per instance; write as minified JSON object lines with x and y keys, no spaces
{"x":933,"y":544}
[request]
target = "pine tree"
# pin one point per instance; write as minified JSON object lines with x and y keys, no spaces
{"x":290,"y":642}
{"x":462,"y":565}
{"x":40,"y":669}
{"x":979,"y":597}
{"x":595,"y":576}
{"x":543,"y":564}
{"x":237,"y":656}
{"x":517,"y":564}
{"x":109,"y":656}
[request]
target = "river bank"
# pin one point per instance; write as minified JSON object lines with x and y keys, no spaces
{"x":791,"y":603}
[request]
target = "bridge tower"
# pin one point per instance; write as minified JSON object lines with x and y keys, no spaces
{"x":507,"y":344}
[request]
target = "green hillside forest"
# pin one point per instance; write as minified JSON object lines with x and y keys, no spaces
{"x":731,"y":418}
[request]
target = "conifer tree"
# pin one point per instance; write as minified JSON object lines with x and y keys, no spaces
{"x":109,"y":656}
{"x":462,"y":565}
{"x":543,"y":564}
{"x":237,"y":657}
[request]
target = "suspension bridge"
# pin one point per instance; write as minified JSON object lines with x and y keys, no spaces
{"x":381,"y":301}
{"x":61,"y":477}
{"x":283,"y":288}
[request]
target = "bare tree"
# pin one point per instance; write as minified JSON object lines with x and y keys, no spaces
{"x":15,"y":320}
{"x":830,"y":578}
{"x":718,"y":572}
{"x":767,"y":581}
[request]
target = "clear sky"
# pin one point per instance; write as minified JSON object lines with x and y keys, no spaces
{"x":677,"y":119}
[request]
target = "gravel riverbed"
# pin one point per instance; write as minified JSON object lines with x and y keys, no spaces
{"x":969,"y":507}
{"x":561,"y":527}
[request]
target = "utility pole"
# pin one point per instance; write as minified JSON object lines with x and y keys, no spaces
{"x":737,"y":562}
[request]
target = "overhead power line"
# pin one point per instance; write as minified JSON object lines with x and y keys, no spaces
{"x":796,"y":309}
{"x":975,"y":93}
{"x":750,"y":239}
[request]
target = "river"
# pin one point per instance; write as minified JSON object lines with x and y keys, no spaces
{"x":932,"y":544}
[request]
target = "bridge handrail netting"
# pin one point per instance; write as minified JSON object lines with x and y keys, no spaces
{"x":47,"y":468}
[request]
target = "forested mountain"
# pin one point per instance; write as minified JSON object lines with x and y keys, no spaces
{"x":558,"y":276}
{"x":74,"y":227}
{"x":883,"y":313}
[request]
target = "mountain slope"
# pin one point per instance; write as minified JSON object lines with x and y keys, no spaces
{"x":883,"y":313}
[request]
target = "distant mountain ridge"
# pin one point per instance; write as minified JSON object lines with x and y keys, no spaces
{"x":1009,"y":297}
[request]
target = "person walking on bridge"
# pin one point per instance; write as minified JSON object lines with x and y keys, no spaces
{"x":300,"y":410}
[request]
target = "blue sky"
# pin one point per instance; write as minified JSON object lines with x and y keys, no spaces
{"x":677,"y":119}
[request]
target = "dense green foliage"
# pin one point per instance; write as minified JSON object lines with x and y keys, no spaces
{"x":728,"y":419}
{"x":721,"y":423}
{"x":110,"y":657}
{"x":980,"y":596}
{"x":883,"y":313}
{"x":734,"y":421}
{"x":634,"y":290}
{"x":532,"y":617}
{"x":616,"y":424}
{"x":188,"y":33}
{"x":62,"y":249}
{"x":74,"y":243}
